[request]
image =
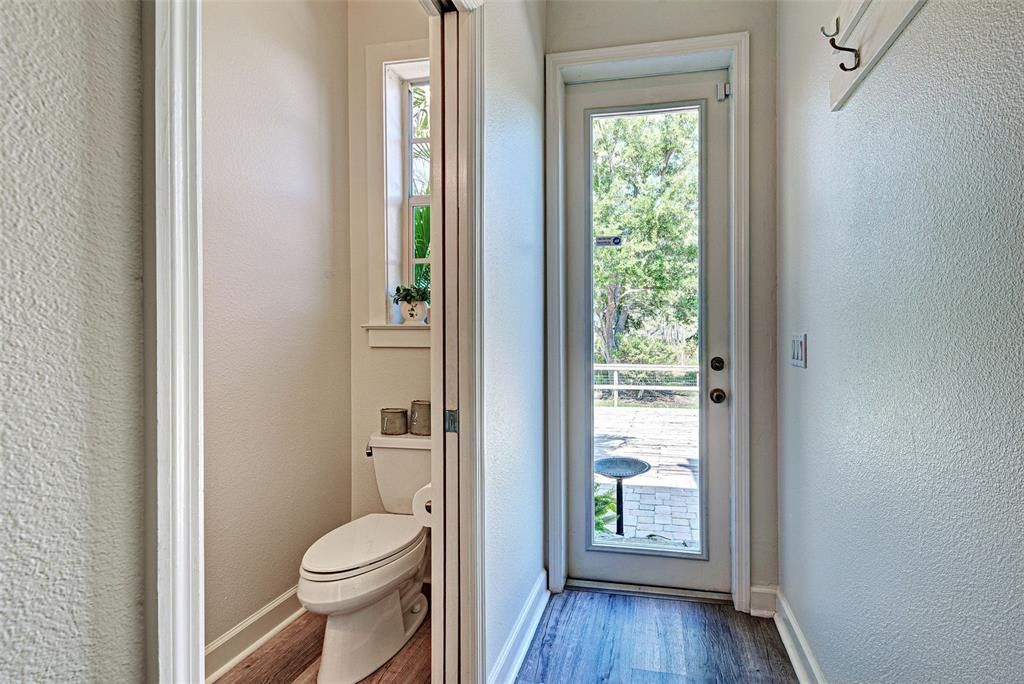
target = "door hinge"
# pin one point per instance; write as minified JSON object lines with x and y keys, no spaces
{"x":451,"y":421}
{"x":723,"y":90}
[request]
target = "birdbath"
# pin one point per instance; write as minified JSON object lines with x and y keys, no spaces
{"x":620,"y":467}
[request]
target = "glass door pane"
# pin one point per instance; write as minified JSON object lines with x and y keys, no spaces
{"x":645,"y":208}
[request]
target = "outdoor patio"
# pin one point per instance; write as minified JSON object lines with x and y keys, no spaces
{"x":661,"y":506}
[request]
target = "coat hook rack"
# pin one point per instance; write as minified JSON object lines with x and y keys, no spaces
{"x":855,"y":51}
{"x":834,"y":33}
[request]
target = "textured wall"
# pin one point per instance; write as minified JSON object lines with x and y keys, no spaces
{"x":513,"y":312}
{"x":71,"y":367}
{"x":380,"y":377}
{"x":901,"y":254}
{"x":585,"y":24}
{"x":276,"y":263}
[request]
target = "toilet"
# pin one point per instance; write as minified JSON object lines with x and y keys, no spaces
{"x":367,"y":575}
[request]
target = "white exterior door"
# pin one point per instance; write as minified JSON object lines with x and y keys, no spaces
{"x":647,"y":286}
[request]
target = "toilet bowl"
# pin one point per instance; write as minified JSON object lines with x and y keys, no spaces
{"x":367,"y":575}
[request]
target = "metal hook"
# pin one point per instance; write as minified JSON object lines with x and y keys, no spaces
{"x":855,"y":51}
{"x":830,"y":35}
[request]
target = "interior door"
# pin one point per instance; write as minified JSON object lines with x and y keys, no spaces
{"x":446,"y":376}
{"x":647,"y":330}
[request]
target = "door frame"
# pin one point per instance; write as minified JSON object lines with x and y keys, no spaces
{"x":456,"y":348}
{"x":728,"y":51}
{"x":174,"y":341}
{"x":172,"y":210}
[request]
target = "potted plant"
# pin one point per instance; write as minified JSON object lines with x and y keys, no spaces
{"x":413,"y":300}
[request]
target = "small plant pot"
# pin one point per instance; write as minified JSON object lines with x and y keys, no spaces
{"x":414,"y":313}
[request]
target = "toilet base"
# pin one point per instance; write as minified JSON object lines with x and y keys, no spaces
{"x":356,"y":644}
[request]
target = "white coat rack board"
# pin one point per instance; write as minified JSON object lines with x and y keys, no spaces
{"x":861,"y":33}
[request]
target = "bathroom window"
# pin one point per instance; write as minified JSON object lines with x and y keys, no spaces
{"x":398,"y":179}
{"x":407,"y":171}
{"x":417,"y":169}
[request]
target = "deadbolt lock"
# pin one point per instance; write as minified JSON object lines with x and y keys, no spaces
{"x":717,"y":395}
{"x":717,"y":363}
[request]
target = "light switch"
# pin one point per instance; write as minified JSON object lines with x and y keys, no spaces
{"x":798,"y":350}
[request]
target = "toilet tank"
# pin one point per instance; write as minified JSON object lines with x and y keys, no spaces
{"x":401,"y":464}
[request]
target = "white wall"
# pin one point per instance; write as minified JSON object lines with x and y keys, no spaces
{"x":380,"y":377}
{"x":901,"y":253}
{"x":276,"y":289}
{"x":513,"y":312}
{"x":584,"y":24}
{"x":71,"y":367}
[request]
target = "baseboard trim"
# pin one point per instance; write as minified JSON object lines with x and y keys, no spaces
{"x":806,"y":665}
{"x":518,"y":643}
{"x":229,"y":649}
{"x":763,"y":600}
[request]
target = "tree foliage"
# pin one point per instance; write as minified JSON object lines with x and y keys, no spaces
{"x":635,"y":348}
{"x":645,"y":174}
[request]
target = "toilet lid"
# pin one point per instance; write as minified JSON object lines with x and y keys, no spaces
{"x":362,"y":542}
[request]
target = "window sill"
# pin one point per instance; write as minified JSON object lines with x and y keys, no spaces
{"x":399,"y":336}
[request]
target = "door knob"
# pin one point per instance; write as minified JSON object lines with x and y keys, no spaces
{"x":717,"y":395}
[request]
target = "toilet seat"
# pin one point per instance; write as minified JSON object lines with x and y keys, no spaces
{"x":361,"y":546}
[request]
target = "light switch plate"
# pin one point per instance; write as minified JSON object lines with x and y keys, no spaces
{"x":798,"y":350}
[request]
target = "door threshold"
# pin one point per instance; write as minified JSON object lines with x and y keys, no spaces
{"x":649,"y":591}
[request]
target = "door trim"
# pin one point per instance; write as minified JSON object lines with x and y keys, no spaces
{"x":174,"y":343}
{"x":730,"y":51}
{"x":472,"y":666}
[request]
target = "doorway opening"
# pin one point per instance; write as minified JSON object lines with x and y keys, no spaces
{"x":648,"y":418}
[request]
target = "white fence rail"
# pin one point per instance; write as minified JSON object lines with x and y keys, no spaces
{"x":644,"y":376}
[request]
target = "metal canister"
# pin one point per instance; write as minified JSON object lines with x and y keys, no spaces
{"x":394,"y":421}
{"x":419,"y":418}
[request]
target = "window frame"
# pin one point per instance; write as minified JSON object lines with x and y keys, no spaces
{"x":387,"y":66}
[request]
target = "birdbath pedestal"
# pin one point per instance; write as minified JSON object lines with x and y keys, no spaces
{"x":620,"y":468}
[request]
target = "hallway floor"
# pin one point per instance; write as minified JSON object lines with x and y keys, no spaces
{"x":589,"y":636}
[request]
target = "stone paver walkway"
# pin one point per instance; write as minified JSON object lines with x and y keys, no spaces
{"x":663,"y":504}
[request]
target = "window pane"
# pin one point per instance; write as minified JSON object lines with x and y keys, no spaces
{"x":421,"y":232}
{"x":421,"y":275}
{"x":420,"y":169}
{"x":421,"y":111}
{"x":645,"y":203}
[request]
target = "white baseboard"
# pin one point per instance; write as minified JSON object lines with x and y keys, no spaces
{"x":518,"y":643}
{"x":806,"y":665}
{"x":229,"y":649}
{"x":762,"y":600}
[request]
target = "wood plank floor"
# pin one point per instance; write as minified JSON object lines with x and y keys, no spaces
{"x":293,"y":657}
{"x":589,"y":636}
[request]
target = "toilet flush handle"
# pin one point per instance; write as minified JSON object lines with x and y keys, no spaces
{"x":369,"y":450}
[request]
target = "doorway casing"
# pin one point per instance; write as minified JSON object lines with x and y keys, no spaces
{"x":174,"y":395}
{"x":727,"y":51}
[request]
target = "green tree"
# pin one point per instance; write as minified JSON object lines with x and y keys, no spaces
{"x":646,"y":180}
{"x":634,"y":348}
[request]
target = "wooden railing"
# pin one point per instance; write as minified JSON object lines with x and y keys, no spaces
{"x":643,"y":376}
